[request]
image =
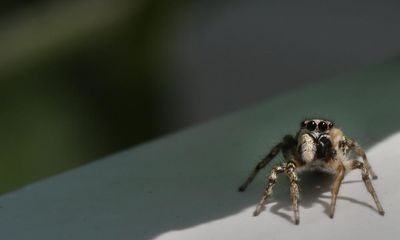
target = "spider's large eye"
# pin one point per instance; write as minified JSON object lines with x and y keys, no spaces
{"x":311,"y":125}
{"x":322,"y":126}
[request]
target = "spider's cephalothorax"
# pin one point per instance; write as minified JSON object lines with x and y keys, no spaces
{"x":314,"y":140}
{"x":317,"y":144}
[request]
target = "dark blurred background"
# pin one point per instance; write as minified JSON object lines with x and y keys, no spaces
{"x":81,"y":79}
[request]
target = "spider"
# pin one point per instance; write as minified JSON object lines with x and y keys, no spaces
{"x":318,"y":144}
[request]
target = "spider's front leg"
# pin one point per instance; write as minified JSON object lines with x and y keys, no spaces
{"x":271,"y":180}
{"x":351,"y":165}
{"x":290,"y":170}
{"x":340,"y":171}
{"x":294,"y":190}
{"x":287,"y":141}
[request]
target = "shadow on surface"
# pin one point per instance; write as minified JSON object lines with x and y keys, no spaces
{"x":312,"y":185}
{"x":315,"y":189}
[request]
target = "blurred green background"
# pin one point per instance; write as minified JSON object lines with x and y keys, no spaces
{"x":78,"y":81}
{"x":81,"y":79}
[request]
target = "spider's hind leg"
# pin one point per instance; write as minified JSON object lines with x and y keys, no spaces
{"x":352,"y":144}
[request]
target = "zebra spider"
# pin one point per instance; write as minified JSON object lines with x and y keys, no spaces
{"x":317,"y":144}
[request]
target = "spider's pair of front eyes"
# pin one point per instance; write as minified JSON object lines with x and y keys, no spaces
{"x":322,"y":126}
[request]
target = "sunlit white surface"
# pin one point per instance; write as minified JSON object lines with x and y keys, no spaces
{"x":355,"y":217}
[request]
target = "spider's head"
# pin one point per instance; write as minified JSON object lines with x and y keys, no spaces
{"x":314,"y":139}
{"x":317,"y":126}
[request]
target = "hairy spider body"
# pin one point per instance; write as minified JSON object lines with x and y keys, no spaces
{"x":317,"y":144}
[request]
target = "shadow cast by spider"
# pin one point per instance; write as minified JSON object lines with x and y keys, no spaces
{"x":314,"y":187}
